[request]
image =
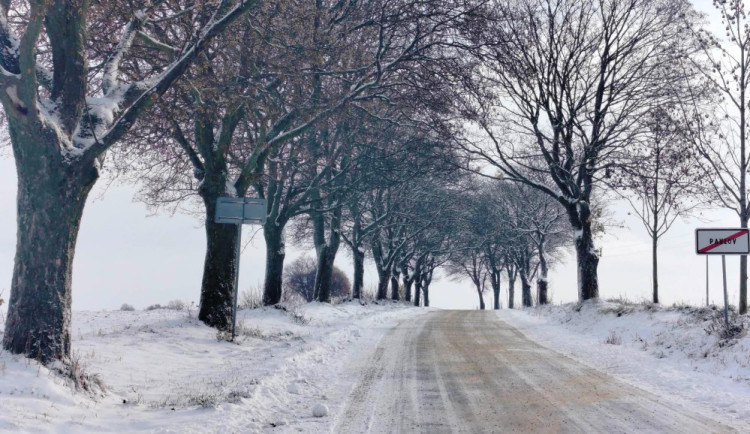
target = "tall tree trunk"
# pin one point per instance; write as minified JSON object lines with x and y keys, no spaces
{"x":383,"y":273}
{"x":219,"y":267}
{"x":525,"y":290}
{"x":541,"y":282}
{"x":417,"y":291}
{"x":326,"y":252}
{"x":383,"y":280}
{"x":324,"y":274}
{"x":407,"y":286}
{"x":359,"y":271}
{"x":511,"y":288}
{"x":587,"y":260}
{"x":394,"y":287}
{"x":495,"y":281}
{"x":275,"y":254}
{"x":49,"y":211}
{"x":654,"y":231}
{"x":481,"y":298}
{"x":426,"y":292}
{"x":654,"y":267}
{"x":743,"y":179}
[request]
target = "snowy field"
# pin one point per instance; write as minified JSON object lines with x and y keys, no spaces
{"x":164,"y":371}
{"x":676,"y":351}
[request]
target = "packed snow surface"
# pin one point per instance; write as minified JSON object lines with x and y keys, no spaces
{"x":164,"y":371}
{"x":675,"y":351}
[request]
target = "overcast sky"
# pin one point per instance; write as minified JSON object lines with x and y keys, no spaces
{"x":126,"y":256}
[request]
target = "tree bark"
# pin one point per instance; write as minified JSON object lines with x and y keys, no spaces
{"x":383,"y":274}
{"x":394,"y":287}
{"x":481,"y":299}
{"x":407,"y":286}
{"x":511,"y":289}
{"x":495,"y":281}
{"x":326,"y":252}
{"x":426,"y":292}
{"x":525,"y":290}
{"x":743,"y":179}
{"x":322,"y":291}
{"x":541,"y":296}
{"x":275,"y":254}
{"x":654,"y":267}
{"x":417,"y":292}
{"x":219,"y":267}
{"x":587,"y":260}
{"x":359,"y":272}
{"x":383,"y":281}
{"x":49,"y":211}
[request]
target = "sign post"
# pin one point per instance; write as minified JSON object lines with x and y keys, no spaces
{"x":722,"y":242}
{"x":239,"y":211}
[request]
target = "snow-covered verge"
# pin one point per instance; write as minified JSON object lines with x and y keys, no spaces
{"x":164,"y":371}
{"x":676,"y":352}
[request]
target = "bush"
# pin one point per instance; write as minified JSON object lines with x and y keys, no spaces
{"x":613,"y":339}
{"x":299,"y":277}
{"x":126,"y":307}
{"x":176,"y":305}
{"x":154,"y":307}
{"x":250,"y":298}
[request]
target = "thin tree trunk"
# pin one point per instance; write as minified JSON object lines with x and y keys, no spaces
{"x":426,"y":292}
{"x":417,"y":291}
{"x":359,"y":271}
{"x":49,"y":210}
{"x":654,"y":267}
{"x":217,"y":287}
{"x":655,"y":230}
{"x":481,"y":298}
{"x":511,"y":289}
{"x":275,"y":254}
{"x":495,"y":280}
{"x":743,"y":179}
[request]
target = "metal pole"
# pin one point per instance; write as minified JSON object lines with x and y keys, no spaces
{"x":726,"y":300}
{"x":706,"y":280}
{"x":236,"y":277}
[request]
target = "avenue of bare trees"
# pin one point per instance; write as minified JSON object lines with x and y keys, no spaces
{"x":480,"y":137}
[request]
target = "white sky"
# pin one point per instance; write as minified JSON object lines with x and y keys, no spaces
{"x":124,"y":256}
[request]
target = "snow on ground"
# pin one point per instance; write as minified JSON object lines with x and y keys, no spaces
{"x":675,"y":352}
{"x":164,"y":371}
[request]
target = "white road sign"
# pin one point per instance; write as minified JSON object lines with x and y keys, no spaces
{"x":239,"y":210}
{"x":722,"y":241}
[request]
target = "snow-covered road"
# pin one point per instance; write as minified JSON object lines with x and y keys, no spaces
{"x":469,"y":371}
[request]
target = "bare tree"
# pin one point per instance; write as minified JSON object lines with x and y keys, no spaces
{"x":662,"y":182}
{"x":63,"y":117}
{"x":561,"y":86}
{"x":719,"y":130}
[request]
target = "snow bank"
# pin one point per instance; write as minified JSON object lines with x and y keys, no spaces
{"x":165,"y":371}
{"x":676,"y":351}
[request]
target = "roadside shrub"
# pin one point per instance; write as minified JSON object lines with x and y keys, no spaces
{"x":125,"y":307}
{"x":299,"y":277}
{"x":154,"y":307}
{"x":614,"y":338}
{"x":250,"y":298}
{"x":176,"y":305}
